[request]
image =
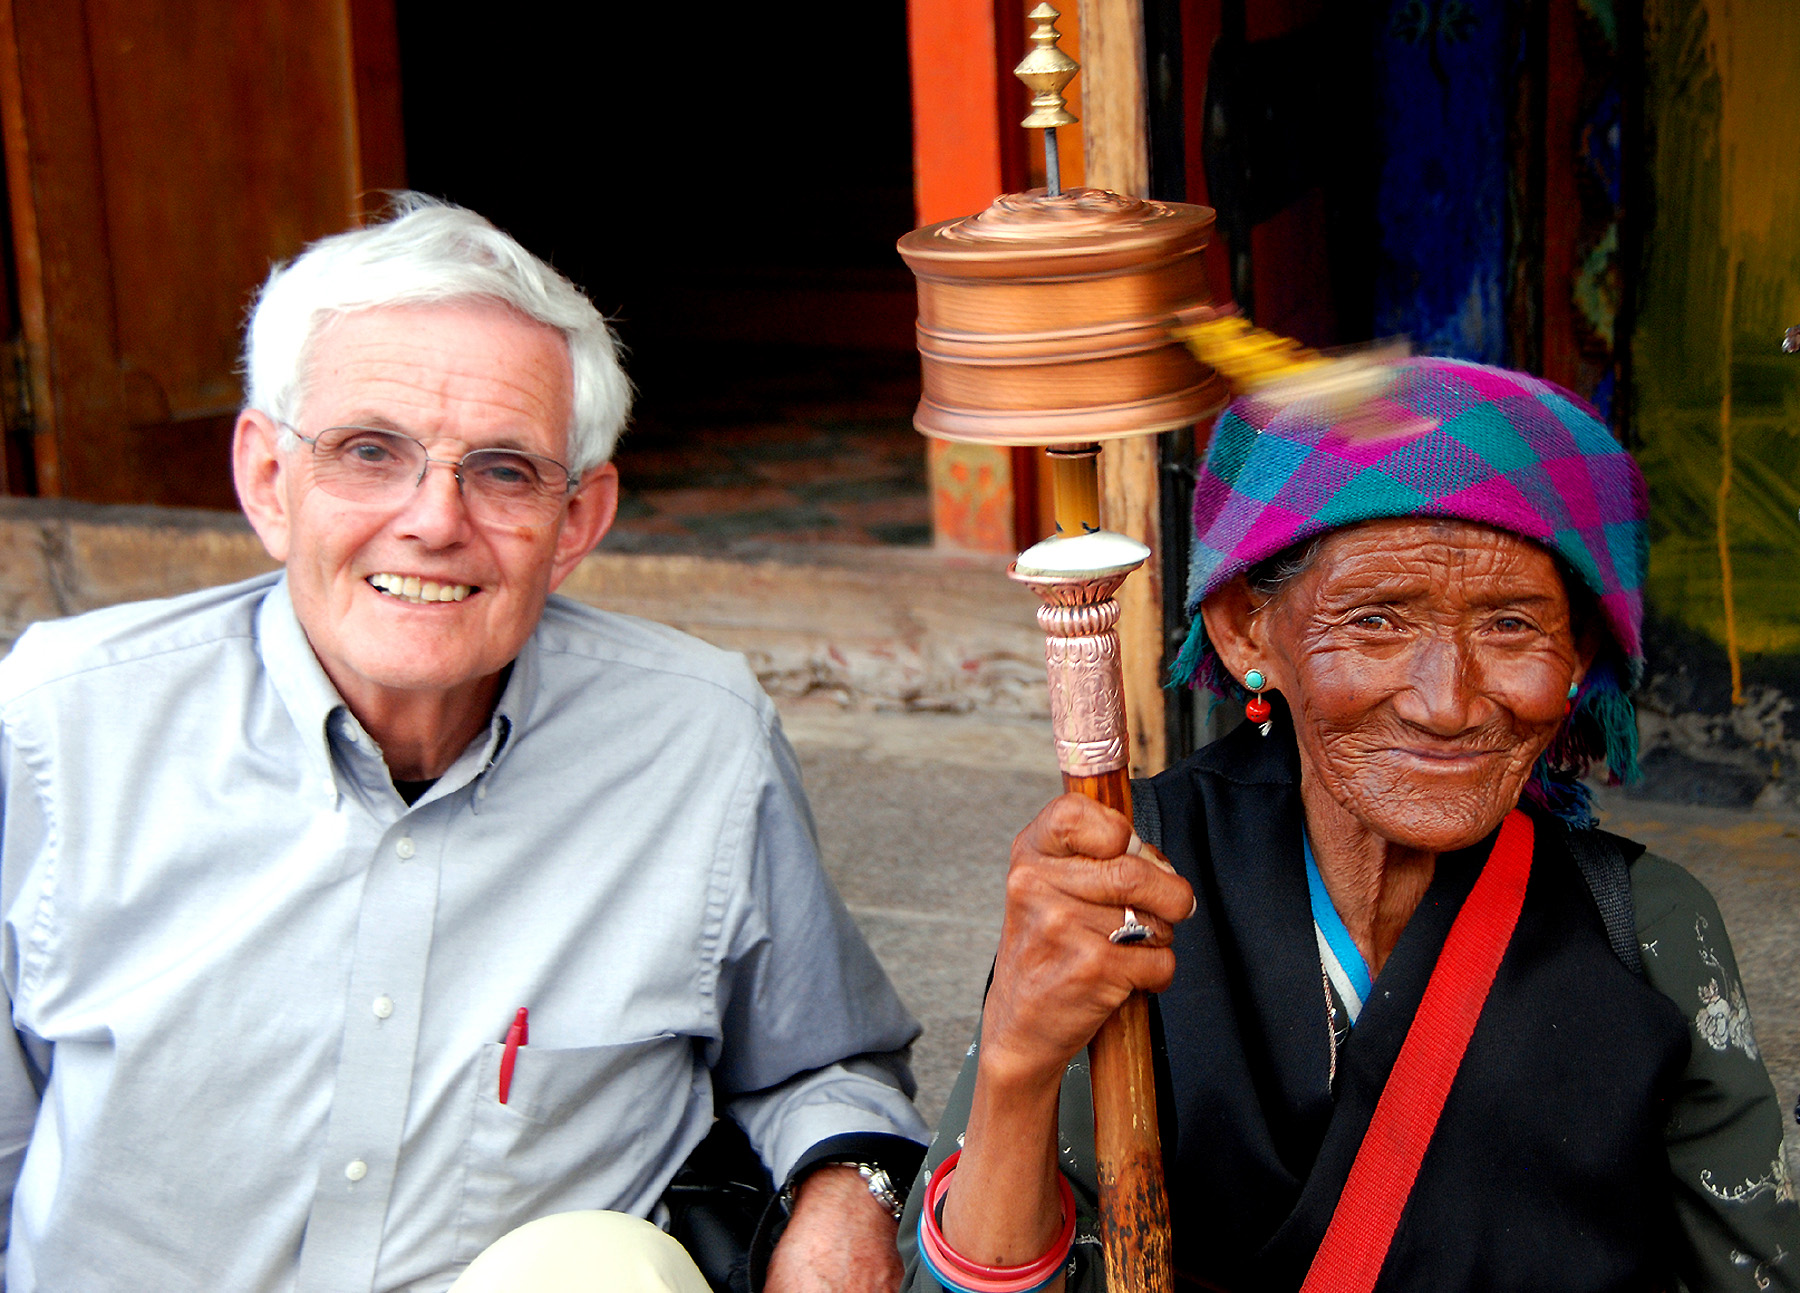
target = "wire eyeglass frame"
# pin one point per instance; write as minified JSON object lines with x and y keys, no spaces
{"x":337,"y":475}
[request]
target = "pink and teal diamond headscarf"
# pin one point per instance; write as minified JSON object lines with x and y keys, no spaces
{"x":1455,"y":439}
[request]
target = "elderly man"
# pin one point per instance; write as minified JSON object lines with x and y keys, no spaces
{"x":284,"y":863}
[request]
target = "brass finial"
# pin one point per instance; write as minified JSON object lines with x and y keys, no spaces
{"x":1045,"y":71}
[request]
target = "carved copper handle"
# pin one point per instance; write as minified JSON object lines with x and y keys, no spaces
{"x":1087,"y":713}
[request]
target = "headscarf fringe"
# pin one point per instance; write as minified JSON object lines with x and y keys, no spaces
{"x":1183,"y":673}
{"x":1603,"y":727}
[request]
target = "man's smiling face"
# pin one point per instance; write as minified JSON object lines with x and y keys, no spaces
{"x":362,"y":575}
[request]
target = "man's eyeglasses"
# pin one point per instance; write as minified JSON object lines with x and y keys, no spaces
{"x":499,"y":486}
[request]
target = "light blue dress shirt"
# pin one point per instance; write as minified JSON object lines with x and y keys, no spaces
{"x":260,"y":1001}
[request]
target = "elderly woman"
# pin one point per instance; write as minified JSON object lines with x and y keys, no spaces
{"x":1431,"y":615}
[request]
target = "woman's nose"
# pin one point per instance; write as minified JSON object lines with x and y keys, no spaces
{"x":1444,"y":697}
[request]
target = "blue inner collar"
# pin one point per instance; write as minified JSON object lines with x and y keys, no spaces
{"x":1332,"y":930}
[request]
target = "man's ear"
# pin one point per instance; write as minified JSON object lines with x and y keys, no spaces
{"x":260,"y":471}
{"x":586,"y":520}
{"x":1235,"y":629}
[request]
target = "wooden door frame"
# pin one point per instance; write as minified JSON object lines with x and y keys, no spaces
{"x":66,"y":308}
{"x":82,"y":441}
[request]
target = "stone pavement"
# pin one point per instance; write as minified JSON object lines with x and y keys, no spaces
{"x":916,"y":814}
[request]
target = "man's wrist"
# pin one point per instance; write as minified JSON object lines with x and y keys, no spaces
{"x":885,"y":1164}
{"x":874,"y":1178}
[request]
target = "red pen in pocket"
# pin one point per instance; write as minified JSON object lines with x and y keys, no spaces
{"x":516,"y":1036}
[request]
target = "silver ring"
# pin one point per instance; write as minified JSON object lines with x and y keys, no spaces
{"x":1132,"y":931}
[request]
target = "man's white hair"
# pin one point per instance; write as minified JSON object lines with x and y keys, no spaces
{"x":429,"y":252}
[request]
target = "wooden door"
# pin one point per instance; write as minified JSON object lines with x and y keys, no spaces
{"x":160,"y":155}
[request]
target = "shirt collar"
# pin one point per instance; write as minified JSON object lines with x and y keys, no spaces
{"x":295,"y":672}
{"x":312,"y":701}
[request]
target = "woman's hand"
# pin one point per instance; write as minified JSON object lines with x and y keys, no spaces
{"x":1057,"y":978}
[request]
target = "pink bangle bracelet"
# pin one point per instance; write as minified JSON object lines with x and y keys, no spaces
{"x":961,"y":1275}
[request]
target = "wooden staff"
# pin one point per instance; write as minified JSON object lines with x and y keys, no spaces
{"x":1046,"y":320}
{"x":1076,"y":575}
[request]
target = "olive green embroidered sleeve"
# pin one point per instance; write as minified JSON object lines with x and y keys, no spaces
{"x":1734,"y":1197}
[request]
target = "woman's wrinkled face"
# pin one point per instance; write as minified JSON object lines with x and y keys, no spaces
{"x":1427,"y":664}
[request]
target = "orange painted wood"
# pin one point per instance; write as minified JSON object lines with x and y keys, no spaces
{"x":967,"y":145}
{"x":971,"y":496}
{"x":1201,"y":24}
{"x":958,"y":162}
{"x":375,"y":66}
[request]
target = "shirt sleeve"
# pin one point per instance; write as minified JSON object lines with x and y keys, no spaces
{"x":815,"y":1040}
{"x":24,"y":1061}
{"x":1734,"y":1195}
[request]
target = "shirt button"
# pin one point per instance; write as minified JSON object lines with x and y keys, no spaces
{"x":404,"y":847}
{"x":481,"y":791}
{"x":356,"y":1170}
{"x":383,"y":1007}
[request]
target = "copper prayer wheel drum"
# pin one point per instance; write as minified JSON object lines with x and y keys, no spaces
{"x":1045,"y":320}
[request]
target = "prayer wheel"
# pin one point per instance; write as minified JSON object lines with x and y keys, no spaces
{"x":1047,"y":319}
{"x":1051,"y":319}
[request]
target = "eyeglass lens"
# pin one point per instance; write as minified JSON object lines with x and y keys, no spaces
{"x":362,"y":464}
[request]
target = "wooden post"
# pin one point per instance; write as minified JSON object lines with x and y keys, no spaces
{"x":1116,"y":138}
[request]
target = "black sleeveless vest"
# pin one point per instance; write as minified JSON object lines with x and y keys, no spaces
{"x":1547,"y":1171}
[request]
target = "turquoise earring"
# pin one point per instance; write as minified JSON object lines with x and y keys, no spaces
{"x":1256,"y":709}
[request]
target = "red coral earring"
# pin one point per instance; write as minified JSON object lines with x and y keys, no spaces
{"x":1256,"y":709}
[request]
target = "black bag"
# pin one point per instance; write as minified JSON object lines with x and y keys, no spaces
{"x":716,"y":1203}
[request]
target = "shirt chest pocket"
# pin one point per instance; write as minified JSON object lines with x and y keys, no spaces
{"x":583,"y":1127}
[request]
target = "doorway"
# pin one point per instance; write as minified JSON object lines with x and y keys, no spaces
{"x":727,"y":185}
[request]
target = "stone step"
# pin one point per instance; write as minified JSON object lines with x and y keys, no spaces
{"x":872,"y":628}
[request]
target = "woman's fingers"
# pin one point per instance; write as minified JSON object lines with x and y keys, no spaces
{"x":1090,"y":912}
{"x":1117,"y":882}
{"x":1075,"y":826}
{"x":1085,"y":851}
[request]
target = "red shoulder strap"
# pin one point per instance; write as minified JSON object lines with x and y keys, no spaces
{"x":1387,"y":1163}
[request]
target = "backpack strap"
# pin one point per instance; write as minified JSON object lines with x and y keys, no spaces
{"x":1602,"y":860}
{"x":1362,"y":1227}
{"x":1146,"y":813}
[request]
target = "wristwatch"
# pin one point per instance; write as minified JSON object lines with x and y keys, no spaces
{"x":881,"y":1186}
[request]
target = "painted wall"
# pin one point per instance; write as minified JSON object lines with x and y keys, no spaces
{"x":1717,"y":404}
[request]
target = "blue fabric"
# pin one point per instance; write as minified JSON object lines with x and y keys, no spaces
{"x":1443,"y":108}
{"x":1331,"y":925}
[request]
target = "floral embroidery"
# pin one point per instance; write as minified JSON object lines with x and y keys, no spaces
{"x":1723,"y":1020}
{"x":1759,"y":1271}
{"x":1777,"y":1181}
